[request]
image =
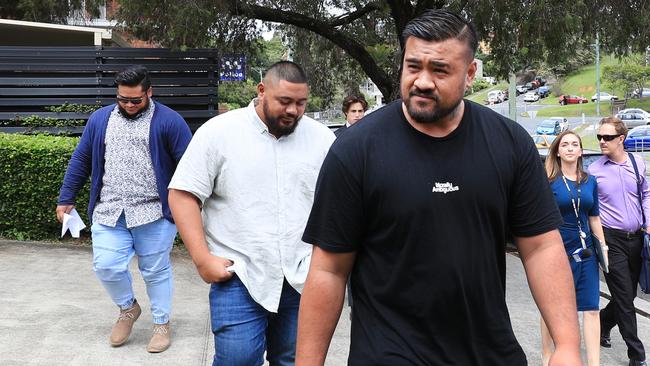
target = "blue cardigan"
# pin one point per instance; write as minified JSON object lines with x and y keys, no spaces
{"x":169,"y":136}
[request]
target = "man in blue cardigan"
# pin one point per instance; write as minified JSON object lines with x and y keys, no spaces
{"x":130,"y":150}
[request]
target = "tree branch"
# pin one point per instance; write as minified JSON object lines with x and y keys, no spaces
{"x":354,"y":48}
{"x":401,"y":12}
{"x":350,"y":17}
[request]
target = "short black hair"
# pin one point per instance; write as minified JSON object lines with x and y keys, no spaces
{"x":133,"y":76}
{"x":440,"y":25}
{"x":286,"y":70}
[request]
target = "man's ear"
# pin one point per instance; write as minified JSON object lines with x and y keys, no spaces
{"x":471,"y":72}
{"x":260,"y":90}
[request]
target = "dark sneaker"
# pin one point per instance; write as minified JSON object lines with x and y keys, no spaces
{"x":605,"y":341}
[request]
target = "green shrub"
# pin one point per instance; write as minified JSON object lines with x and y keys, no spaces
{"x":38,"y":121}
{"x":479,"y":84}
{"x":71,"y":107}
{"x":31,"y":173}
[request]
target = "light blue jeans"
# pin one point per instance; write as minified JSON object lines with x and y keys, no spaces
{"x":243,"y":329}
{"x":113,"y":248}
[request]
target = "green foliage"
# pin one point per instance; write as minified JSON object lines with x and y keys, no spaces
{"x":238,"y":93}
{"x":315,"y":104}
{"x":31,"y":172}
{"x":631,"y":74}
{"x":478,"y":85}
{"x":54,"y":11}
{"x":38,"y":121}
{"x":71,"y":107}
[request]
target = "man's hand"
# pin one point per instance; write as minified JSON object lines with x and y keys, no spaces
{"x":565,"y":356}
{"x":63,"y":209}
{"x":213,"y":269}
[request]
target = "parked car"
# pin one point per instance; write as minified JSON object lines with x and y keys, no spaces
{"x":540,"y":80}
{"x":521,"y":89}
{"x":564,"y":123}
{"x":531,"y":97}
{"x":532,"y":85}
{"x":495,"y":97}
{"x":543,"y":91}
{"x":604,"y":97}
{"x":552,"y":126}
{"x":572,"y":99}
{"x":638,"y":139}
{"x":490,"y":79}
{"x":635,"y":110}
{"x":643,"y":93}
{"x":633,"y":119}
{"x":543,"y":141}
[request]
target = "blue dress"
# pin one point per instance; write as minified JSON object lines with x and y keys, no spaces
{"x":585,"y":273}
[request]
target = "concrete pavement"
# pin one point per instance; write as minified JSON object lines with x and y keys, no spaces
{"x":53,"y":311}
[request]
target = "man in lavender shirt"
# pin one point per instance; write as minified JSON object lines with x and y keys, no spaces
{"x":622,"y":218}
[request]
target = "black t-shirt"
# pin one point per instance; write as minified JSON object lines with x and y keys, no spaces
{"x":429,"y":218}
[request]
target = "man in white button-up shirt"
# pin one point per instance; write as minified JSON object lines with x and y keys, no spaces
{"x":240,"y":197}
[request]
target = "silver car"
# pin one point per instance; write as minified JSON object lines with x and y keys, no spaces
{"x":633,"y":119}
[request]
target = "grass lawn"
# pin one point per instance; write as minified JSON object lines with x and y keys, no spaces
{"x":588,"y":137}
{"x":583,"y":81}
{"x":481,"y":96}
{"x":589,"y":109}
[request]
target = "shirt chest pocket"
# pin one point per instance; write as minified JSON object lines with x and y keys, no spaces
{"x":300,"y":178}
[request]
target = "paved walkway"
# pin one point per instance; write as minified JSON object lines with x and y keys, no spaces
{"x":53,"y":311}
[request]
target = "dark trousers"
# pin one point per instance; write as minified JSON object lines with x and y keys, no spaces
{"x":622,"y":280}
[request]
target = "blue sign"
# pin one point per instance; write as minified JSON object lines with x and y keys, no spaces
{"x":233,"y":68}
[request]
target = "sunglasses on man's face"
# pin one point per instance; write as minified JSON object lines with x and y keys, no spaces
{"x":607,"y":137}
{"x":134,"y":101}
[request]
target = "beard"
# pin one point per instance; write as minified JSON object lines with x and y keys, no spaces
{"x":428,"y":114}
{"x":135,"y":115}
{"x":276,"y":127}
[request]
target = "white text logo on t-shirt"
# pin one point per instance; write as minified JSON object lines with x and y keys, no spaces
{"x":444,"y":188}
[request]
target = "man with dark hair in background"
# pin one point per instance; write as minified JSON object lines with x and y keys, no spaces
{"x":354,"y":107}
{"x":130,"y":149}
{"x":417,"y":204}
{"x":241,"y":197}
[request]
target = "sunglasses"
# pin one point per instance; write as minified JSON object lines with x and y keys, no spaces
{"x":134,"y":101}
{"x":606,"y":137}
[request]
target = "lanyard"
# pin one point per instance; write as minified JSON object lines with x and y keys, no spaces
{"x":576,"y":209}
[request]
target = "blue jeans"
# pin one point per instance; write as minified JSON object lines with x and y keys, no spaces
{"x":243,"y":329}
{"x":113,"y":248}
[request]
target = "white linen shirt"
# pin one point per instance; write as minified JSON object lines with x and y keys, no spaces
{"x":257,"y":192}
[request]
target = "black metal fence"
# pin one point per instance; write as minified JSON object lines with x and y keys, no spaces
{"x":33,"y":79}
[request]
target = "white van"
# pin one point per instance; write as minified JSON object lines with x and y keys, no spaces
{"x":496,"y":96}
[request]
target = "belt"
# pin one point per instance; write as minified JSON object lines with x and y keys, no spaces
{"x":624,"y":234}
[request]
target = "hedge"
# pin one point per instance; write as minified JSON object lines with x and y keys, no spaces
{"x":31,"y":173}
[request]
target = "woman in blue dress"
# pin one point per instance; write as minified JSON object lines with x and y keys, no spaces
{"x":576,"y":194}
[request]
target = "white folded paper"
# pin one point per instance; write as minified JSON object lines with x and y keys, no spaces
{"x":73,"y":223}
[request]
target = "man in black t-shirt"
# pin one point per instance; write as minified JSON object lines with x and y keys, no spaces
{"x":416,"y":203}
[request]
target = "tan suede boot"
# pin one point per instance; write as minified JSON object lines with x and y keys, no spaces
{"x":122,"y":328}
{"x":161,"y":338}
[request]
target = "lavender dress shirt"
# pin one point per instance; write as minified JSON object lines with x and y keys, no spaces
{"x":617,"y":193}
